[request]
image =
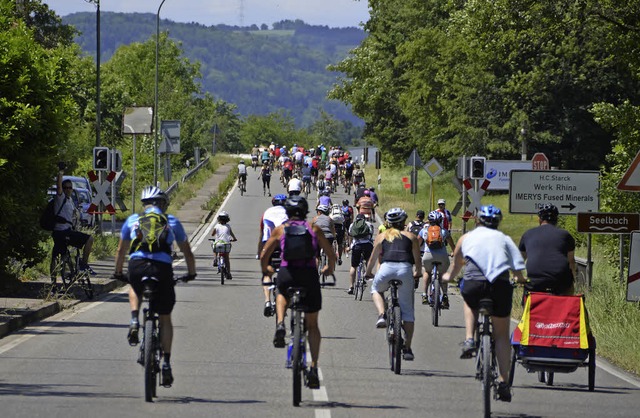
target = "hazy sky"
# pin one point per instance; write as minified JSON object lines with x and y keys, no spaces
{"x":333,"y":13}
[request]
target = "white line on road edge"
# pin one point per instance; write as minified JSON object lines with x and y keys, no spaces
{"x":207,"y":231}
{"x":320,"y":395}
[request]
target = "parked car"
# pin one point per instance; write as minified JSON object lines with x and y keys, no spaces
{"x":82,"y":196}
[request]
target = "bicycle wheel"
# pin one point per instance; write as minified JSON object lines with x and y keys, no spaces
{"x":241,"y":188}
{"x":436,"y":294}
{"x":592,"y":364}
{"x":149,"y":362}
{"x":86,"y":285}
{"x":391,"y":338}
{"x":397,"y":341}
{"x":358,"y":285}
{"x":67,"y":270}
{"x":296,"y":358}
{"x":486,"y":371}
{"x":223,"y":272}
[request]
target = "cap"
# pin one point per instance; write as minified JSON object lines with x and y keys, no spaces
{"x":441,"y":201}
{"x":420,"y":214}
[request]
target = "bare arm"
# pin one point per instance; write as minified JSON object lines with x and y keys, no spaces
{"x":375,"y":254}
{"x":268,"y":249}
{"x":458,"y":262}
{"x":123,"y":247}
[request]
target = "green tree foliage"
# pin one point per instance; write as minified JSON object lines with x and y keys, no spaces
{"x":466,"y":77}
{"x":36,"y":108}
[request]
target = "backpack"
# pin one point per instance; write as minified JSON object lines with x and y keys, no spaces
{"x":415,"y":227}
{"x":151,"y":234}
{"x":346,"y":212}
{"x":49,"y":218}
{"x":434,"y":237}
{"x":336,"y":214}
{"x":360,"y":229}
{"x":298,"y":243}
{"x":321,"y":185}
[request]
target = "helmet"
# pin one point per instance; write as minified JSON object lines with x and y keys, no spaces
{"x":548,"y":212}
{"x":435,"y":217}
{"x":345,"y":202}
{"x":396,"y":216}
{"x":367,"y":192}
{"x":155,"y":196}
{"x":241,"y":161}
{"x":255,"y":146}
{"x":224,"y":216}
{"x":325,"y":193}
{"x":373,"y":189}
{"x":490,"y":216}
{"x":360,"y":216}
{"x":324,"y":209}
{"x":296,"y":206}
{"x":278,"y":200}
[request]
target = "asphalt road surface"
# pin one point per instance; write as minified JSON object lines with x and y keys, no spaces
{"x":78,"y":364}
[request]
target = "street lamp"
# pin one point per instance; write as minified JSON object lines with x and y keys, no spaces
{"x":155,"y":108}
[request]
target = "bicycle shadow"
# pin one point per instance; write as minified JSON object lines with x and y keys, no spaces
{"x":344,"y":405}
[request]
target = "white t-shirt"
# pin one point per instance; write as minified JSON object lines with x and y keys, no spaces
{"x":242,"y":169}
{"x":295,"y":185}
{"x":222,"y":232}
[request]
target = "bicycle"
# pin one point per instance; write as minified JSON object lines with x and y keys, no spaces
{"x":361,"y":282}
{"x":221,"y":248}
{"x":394,"y":327}
{"x":151,"y":348}
{"x":306,"y":186}
{"x":435,"y":290}
{"x":67,"y":266}
{"x":486,"y":364}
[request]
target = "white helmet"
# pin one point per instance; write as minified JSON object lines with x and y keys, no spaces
{"x":324,"y":209}
{"x":154,"y":195}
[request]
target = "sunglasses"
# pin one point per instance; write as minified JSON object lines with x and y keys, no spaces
{"x":68,"y":188}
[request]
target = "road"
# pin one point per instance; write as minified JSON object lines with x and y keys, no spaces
{"x":78,"y":364}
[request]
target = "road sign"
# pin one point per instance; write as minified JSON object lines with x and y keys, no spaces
{"x":539,"y":162}
{"x":170,"y":130}
{"x":608,"y":223}
{"x":631,"y":180}
{"x":414,"y":159}
{"x":570,"y":191}
{"x":633,"y":280}
{"x":499,"y":172}
{"x":433,"y":168}
{"x":474,"y":196}
{"x":101,"y":193}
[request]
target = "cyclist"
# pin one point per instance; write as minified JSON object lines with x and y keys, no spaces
{"x":417,"y":224}
{"x":397,"y":250}
{"x":487,"y":256}
{"x":306,"y":176}
{"x":242,"y":174}
{"x":446,"y":221}
{"x":265,"y":173}
{"x":145,"y":261}
{"x":64,"y":208}
{"x":324,"y":198}
{"x":549,"y":252}
{"x":358,"y":176}
{"x":294,"y":186}
{"x":324,"y":222}
{"x":338,"y":221}
{"x":433,"y":252}
{"x":365,"y":205}
{"x":272,"y":218}
{"x":298,"y":269}
{"x":222,"y":233}
{"x":361,"y":246}
{"x":265,"y":157}
{"x":321,"y":185}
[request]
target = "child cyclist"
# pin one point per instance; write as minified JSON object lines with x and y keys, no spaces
{"x":222,"y":234}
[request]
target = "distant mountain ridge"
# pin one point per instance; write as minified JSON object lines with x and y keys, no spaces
{"x":260,"y":70}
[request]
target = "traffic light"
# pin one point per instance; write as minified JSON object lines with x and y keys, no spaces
{"x":477,"y":167}
{"x":101,"y":160}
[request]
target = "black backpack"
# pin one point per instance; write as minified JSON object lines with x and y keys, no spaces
{"x":415,"y":227}
{"x":151,"y":234}
{"x":298,"y":243}
{"x":48,"y":218}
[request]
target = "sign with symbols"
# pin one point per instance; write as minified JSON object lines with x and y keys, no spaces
{"x":608,"y":223}
{"x":570,"y":191}
{"x":170,"y":130}
{"x":631,"y":180}
{"x":633,"y":280}
{"x":540,"y":162}
{"x":101,"y":193}
{"x":414,"y":159}
{"x":433,"y":168}
{"x":475,"y":197}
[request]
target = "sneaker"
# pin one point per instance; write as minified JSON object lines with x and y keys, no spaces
{"x":381,"y":322}
{"x":268,"y":309}
{"x":132,"y":337}
{"x":229,"y":277}
{"x":425,"y":299}
{"x":313,"y":381}
{"x":407,"y":354}
{"x":278,"y":338}
{"x":340,"y":261}
{"x":504,"y":392}
{"x":167,"y":376}
{"x":350,"y":291}
{"x":215,"y":263}
{"x":468,"y":348}
{"x":445,"y":302}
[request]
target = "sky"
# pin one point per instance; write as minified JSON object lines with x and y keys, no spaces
{"x":333,"y":13}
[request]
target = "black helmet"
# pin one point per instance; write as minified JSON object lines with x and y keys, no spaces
{"x":345,"y":202}
{"x":548,"y":212}
{"x":296,"y":206}
{"x":490,"y":216}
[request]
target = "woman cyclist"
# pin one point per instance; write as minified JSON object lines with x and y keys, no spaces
{"x":398,"y":251}
{"x":487,"y":255}
{"x":222,"y":233}
{"x":298,"y":269}
{"x":431,"y":254}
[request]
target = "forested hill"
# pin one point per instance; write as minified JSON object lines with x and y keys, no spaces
{"x":260,"y":69}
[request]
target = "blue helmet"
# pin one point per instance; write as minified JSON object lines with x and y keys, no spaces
{"x":490,"y":216}
{"x":278,"y":200}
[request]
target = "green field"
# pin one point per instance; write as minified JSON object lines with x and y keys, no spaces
{"x":615,"y":322}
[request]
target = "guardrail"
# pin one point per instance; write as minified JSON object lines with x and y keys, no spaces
{"x":187,"y":176}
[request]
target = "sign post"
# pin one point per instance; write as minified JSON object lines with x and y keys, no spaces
{"x":414,"y":162}
{"x":433,"y":168}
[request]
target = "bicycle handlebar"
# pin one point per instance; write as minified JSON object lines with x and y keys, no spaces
{"x":184,"y":278}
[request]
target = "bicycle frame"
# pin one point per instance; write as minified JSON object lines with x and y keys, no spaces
{"x":151,"y":348}
{"x":361,"y":282}
{"x":296,"y":353}
{"x":67,"y":264}
{"x":394,"y":327}
{"x":486,"y":365}
{"x":436,"y":294}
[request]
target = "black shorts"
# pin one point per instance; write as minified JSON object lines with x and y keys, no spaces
{"x":61,"y":239}
{"x":306,"y":277}
{"x":339,"y":233}
{"x":166,"y":297}
{"x":500,"y":291}
{"x":360,"y":251}
{"x":555,"y":286}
